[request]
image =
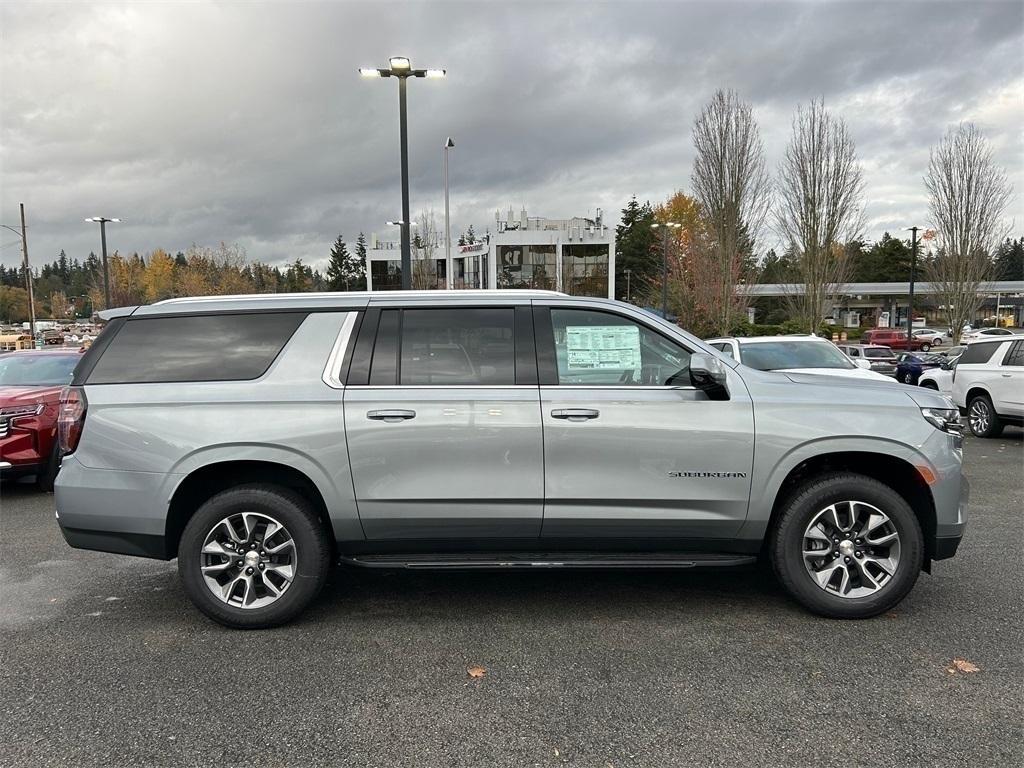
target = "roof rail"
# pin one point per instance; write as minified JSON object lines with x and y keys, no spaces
{"x":357,"y":294}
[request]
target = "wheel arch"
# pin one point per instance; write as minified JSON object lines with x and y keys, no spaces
{"x":893,"y":471}
{"x":210,"y":479}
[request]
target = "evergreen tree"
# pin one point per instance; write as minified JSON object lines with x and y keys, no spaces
{"x":1009,"y":260}
{"x":346,"y":271}
{"x":470,"y":236}
{"x":887,"y":261}
{"x":635,"y":251}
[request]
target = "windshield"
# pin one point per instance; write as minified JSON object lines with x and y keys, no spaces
{"x":777,"y":355}
{"x":31,"y":370}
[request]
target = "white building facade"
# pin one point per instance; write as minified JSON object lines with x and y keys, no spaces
{"x":575,"y":256}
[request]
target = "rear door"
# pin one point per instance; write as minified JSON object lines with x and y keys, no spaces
{"x":631,"y":450}
{"x":1007,"y":384}
{"x":443,"y":423}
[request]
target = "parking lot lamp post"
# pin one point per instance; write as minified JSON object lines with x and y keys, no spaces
{"x":450,"y":278}
{"x":628,"y":273}
{"x":403,"y":226}
{"x":402,"y":69}
{"x":913,"y":271}
{"x":102,"y":221}
{"x":665,"y":228}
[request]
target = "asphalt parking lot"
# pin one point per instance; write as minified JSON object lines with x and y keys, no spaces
{"x":104,"y":662}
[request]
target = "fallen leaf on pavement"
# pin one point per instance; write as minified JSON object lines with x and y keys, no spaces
{"x":476,"y":671}
{"x":963,"y":665}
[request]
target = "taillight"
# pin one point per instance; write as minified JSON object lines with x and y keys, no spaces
{"x":71,"y":418}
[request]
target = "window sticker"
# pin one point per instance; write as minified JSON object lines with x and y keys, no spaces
{"x":602,"y":347}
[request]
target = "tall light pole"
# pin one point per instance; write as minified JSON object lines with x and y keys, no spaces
{"x":665,"y":228}
{"x":102,"y":221}
{"x":402,"y":69}
{"x":913,"y":270}
{"x":28,"y":272}
{"x":628,"y":273}
{"x":450,"y":277}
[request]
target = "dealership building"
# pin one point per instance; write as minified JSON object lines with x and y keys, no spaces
{"x":575,"y":256}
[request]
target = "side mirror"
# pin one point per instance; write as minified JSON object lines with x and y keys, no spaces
{"x":860,"y":362}
{"x":707,"y":373}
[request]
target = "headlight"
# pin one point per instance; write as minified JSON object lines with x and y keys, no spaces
{"x":19,"y":411}
{"x":946,"y":419}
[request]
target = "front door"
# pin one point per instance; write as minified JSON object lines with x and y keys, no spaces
{"x":631,"y":449}
{"x":443,"y":424}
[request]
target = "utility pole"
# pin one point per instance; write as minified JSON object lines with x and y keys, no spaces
{"x":913,"y":271}
{"x":28,"y":278}
{"x":668,"y":225}
{"x":628,"y":273}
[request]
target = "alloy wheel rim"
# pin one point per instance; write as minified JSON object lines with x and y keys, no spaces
{"x":979,"y":416}
{"x":851,"y":549}
{"x":248,"y":560}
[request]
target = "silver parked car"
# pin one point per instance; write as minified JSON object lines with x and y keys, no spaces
{"x":260,"y":438}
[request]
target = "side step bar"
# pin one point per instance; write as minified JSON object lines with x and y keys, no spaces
{"x":503,"y":560}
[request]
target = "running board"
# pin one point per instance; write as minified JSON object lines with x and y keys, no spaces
{"x":502,"y":560}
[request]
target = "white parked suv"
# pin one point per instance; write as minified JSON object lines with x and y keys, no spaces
{"x":796,"y":354}
{"x":988,"y":384}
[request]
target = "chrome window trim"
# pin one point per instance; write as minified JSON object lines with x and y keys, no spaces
{"x":592,"y":387}
{"x":332,"y":370}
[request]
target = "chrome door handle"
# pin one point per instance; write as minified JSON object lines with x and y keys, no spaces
{"x":575,"y":414}
{"x":392,"y":416}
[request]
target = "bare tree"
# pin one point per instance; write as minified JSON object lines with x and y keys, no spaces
{"x":968,"y":197}
{"x":424,"y":245}
{"x":821,"y":191}
{"x":731,"y":183}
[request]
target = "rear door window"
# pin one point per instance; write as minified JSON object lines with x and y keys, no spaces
{"x":233,"y":347}
{"x":1015,"y":354}
{"x":461,"y":346}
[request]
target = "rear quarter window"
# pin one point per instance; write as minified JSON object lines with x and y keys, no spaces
{"x":195,"y":348}
{"x":979,"y":353}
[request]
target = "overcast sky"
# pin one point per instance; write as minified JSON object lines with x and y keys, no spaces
{"x":247,"y":122}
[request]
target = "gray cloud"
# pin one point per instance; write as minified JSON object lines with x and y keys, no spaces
{"x":247,"y":122}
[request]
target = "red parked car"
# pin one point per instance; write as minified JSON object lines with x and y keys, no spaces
{"x":30,"y":385}
{"x":895,"y":339}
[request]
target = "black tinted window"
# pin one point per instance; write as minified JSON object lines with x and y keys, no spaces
{"x":1015,"y":354}
{"x":458,"y":347}
{"x":196,"y":348}
{"x":979,"y":353}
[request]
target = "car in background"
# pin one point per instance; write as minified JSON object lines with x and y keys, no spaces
{"x":940,"y":378}
{"x":988,"y":384}
{"x":794,"y":354}
{"x":881,"y":359}
{"x":985,"y":333}
{"x":910,"y":365}
{"x":935,"y":337}
{"x":30,"y":385}
{"x":894,"y":338}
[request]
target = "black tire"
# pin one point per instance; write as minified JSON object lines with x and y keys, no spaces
{"x":312,"y":552}
{"x":48,"y":474}
{"x":930,"y":385}
{"x":785,"y":545}
{"x":982,"y":405}
{"x":925,"y":347}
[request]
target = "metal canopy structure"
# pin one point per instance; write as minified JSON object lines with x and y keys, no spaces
{"x":875,"y":289}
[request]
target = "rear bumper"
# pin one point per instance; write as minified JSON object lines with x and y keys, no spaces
{"x":112,"y":511}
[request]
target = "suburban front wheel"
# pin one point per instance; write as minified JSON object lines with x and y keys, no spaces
{"x":982,"y":418}
{"x":847,"y":546}
{"x":253,"y":556}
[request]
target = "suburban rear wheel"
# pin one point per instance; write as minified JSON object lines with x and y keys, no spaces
{"x":982,"y":418}
{"x":253,"y":556}
{"x":847,"y":546}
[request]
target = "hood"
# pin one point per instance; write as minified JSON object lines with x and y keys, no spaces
{"x":23,"y":395}
{"x":845,"y":373}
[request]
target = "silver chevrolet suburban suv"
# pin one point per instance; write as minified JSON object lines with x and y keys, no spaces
{"x":260,"y":439}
